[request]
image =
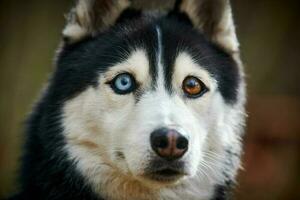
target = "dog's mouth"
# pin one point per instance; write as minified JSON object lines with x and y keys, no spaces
{"x":166,"y":175}
{"x":166,"y":172}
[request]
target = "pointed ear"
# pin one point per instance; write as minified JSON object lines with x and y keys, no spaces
{"x":214,"y":19}
{"x":89,"y":17}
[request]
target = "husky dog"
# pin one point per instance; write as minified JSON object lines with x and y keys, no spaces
{"x":142,"y":106}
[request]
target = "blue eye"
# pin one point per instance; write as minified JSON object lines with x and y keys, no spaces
{"x":123,"y":83}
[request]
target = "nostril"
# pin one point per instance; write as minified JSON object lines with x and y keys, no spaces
{"x":161,"y":142}
{"x":159,"y":139}
{"x":182,"y":143}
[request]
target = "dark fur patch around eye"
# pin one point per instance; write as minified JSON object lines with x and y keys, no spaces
{"x":180,"y":37}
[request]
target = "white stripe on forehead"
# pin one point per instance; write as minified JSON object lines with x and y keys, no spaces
{"x":160,"y":82}
{"x":161,"y":97}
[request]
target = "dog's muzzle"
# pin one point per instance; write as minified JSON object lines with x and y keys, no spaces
{"x":169,"y":146}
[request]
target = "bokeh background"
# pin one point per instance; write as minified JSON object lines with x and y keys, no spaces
{"x":269,"y":32}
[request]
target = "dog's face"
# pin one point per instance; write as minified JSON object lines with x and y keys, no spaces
{"x":151,"y":101}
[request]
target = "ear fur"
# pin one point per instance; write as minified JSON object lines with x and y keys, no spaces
{"x":214,"y":19}
{"x":89,"y":17}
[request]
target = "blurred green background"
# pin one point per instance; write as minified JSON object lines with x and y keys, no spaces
{"x":269,"y":32}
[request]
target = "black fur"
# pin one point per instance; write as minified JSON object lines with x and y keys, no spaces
{"x":223,"y":192}
{"x":46,"y":173}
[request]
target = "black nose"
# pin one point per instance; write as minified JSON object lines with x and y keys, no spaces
{"x":168,"y":143}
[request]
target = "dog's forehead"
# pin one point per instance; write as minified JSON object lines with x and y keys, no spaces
{"x":164,"y":38}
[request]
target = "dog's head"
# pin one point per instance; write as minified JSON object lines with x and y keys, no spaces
{"x":152,"y":99}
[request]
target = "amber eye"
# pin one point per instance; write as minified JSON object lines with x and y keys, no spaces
{"x":193,"y":87}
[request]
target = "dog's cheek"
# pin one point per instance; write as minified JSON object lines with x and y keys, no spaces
{"x":195,"y":120}
{"x":136,"y":137}
{"x":115,"y":109}
{"x":137,"y":146}
{"x":81,"y":117}
{"x":117,"y":114}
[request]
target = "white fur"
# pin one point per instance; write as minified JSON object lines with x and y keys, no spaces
{"x":226,"y":36}
{"x":160,"y":74}
{"x":223,"y":31}
{"x":85,"y":19}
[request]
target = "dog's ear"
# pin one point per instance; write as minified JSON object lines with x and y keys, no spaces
{"x":214,"y":19}
{"x":89,"y":17}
